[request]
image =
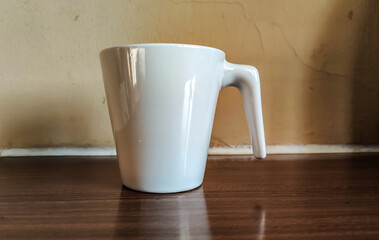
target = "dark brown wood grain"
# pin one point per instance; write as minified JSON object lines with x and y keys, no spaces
{"x":283,"y":197}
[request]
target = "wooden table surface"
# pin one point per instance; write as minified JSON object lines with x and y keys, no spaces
{"x":282,"y":197}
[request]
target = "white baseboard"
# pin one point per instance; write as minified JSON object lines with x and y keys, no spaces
{"x":233,"y":150}
{"x":59,"y":151}
{"x":295,"y":149}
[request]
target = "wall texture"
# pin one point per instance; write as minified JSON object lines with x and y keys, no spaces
{"x":318,"y":60}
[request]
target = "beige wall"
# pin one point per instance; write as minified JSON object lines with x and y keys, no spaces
{"x":318,"y":60}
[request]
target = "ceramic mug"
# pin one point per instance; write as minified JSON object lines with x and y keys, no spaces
{"x":162,"y":100}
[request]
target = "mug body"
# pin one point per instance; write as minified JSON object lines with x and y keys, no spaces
{"x":162,"y":100}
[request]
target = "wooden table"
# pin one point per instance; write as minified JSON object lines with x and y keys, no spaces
{"x":282,"y":197}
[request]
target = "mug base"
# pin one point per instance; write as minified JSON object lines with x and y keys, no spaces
{"x":164,"y":189}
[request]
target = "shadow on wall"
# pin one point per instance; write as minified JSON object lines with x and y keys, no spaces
{"x":365,"y":96}
{"x":38,"y":121}
{"x":344,"y":69}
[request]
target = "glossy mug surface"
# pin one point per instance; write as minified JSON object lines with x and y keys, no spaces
{"x":162,"y":100}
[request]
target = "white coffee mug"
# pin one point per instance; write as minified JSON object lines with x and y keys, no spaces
{"x":162,"y":100}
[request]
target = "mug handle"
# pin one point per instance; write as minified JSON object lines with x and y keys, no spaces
{"x":246,"y":79}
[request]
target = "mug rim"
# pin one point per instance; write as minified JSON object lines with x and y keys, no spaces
{"x":162,"y":45}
